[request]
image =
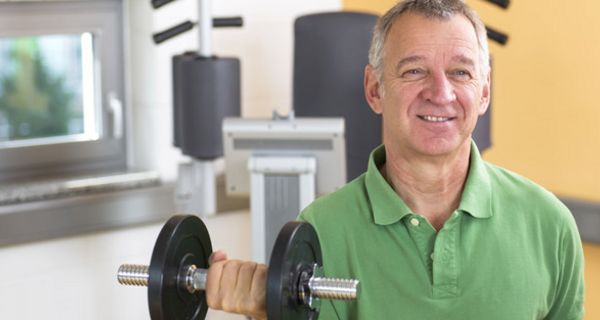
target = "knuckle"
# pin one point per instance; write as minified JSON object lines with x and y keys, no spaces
{"x":228,"y":306}
{"x":231,"y":265}
{"x":247,"y":271}
{"x":248,"y":266}
{"x":261,"y":271}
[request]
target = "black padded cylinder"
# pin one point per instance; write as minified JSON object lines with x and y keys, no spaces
{"x":330,"y":54}
{"x":482,"y":134}
{"x":205,"y":90}
{"x":177,"y":93}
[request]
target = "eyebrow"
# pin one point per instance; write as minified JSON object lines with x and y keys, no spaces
{"x":407,"y":60}
{"x":410,"y":59}
{"x":464,"y":59}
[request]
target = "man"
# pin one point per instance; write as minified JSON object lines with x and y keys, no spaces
{"x":431,"y":230}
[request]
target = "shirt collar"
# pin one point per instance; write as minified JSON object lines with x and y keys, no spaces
{"x":476,"y":197}
{"x":389,"y":208}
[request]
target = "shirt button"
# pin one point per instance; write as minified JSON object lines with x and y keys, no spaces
{"x":431,"y":255}
{"x":415,"y":222}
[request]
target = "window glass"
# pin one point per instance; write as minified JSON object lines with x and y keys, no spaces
{"x":62,"y":89}
{"x":47,"y":89}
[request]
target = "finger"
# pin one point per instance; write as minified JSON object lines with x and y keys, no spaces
{"x":258,"y":291}
{"x":213,"y":281}
{"x":218,"y":255}
{"x":251,"y":288}
{"x":240,"y":300}
{"x":243,"y":287}
{"x":228,"y":283}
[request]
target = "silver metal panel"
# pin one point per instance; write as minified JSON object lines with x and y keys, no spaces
{"x":281,"y":144}
{"x":322,"y":138}
{"x":282,"y":204}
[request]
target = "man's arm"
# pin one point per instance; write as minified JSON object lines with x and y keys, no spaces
{"x":568,"y":301}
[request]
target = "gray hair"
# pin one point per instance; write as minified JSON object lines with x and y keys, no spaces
{"x":440,"y":9}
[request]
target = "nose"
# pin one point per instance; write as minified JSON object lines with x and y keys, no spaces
{"x":438,"y":89}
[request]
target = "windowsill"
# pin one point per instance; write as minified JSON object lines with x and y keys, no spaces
{"x":84,"y":213}
{"x":20,"y":193}
{"x":95,"y":204}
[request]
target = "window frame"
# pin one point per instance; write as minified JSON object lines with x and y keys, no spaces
{"x":105,"y":20}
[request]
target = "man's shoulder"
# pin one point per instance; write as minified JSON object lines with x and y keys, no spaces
{"x":342,"y":203}
{"x":503,"y":179}
{"x":511,"y":188}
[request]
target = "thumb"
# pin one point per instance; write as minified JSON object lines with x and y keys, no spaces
{"x":217,"y":256}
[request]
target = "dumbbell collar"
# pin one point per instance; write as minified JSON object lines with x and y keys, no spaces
{"x":194,"y":278}
{"x":305,"y":288}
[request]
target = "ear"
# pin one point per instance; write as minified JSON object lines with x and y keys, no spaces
{"x":486,"y":94}
{"x":372,"y":92}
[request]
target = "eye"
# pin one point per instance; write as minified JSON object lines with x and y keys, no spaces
{"x":413,"y":74}
{"x":460,"y":74}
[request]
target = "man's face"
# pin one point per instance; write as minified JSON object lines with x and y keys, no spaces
{"x":432,"y":90}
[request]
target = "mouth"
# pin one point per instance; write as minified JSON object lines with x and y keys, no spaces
{"x":435,"y":119}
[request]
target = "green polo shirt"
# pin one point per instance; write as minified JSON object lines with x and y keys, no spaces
{"x":511,"y":251}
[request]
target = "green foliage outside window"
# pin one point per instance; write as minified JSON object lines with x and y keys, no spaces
{"x":34,"y":101}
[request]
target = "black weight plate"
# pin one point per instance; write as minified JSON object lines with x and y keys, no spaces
{"x":296,"y":249}
{"x":183,"y":240}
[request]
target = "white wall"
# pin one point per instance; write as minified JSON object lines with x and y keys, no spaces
{"x":74,"y":278}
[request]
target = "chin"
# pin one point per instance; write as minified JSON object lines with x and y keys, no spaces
{"x":439,"y":147}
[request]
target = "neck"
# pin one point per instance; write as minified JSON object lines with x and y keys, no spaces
{"x":430,"y":186}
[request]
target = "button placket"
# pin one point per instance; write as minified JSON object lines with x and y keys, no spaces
{"x":445,"y":269}
{"x":423,"y":237}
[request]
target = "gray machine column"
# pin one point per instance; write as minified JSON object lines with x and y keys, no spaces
{"x":281,"y":188}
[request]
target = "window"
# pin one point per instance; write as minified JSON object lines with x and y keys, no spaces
{"x":47,"y":89}
{"x":61,"y":87}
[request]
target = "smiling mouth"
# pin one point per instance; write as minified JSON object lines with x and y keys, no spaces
{"x":435,"y":119}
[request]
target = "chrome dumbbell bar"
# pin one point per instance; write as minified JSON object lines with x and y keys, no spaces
{"x":194,"y":280}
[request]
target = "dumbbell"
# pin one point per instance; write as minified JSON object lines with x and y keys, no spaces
{"x":176,"y":276}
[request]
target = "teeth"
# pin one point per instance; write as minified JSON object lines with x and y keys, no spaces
{"x":434,"y":119}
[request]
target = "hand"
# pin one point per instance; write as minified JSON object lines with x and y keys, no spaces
{"x":236,"y":286}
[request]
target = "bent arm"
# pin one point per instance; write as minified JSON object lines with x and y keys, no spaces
{"x":568,"y":301}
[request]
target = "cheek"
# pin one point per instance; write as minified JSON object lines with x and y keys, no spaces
{"x":470,"y":102}
{"x":401,"y":97}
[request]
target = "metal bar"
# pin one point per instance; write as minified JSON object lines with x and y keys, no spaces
{"x":495,"y":35}
{"x":133,"y":275}
{"x":332,"y":288}
{"x":172,"y":32}
{"x":205,"y":22}
{"x":501,"y":3}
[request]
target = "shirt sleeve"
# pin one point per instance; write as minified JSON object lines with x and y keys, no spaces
{"x":568,"y":301}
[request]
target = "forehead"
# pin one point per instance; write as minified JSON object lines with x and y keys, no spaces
{"x":412,"y":33}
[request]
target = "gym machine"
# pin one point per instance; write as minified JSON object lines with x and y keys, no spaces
{"x":176,"y":276}
{"x":206,"y":89}
{"x":283,"y":164}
